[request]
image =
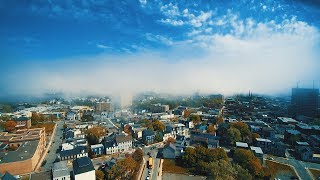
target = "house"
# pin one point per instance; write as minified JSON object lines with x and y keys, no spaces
{"x":116,"y":143}
{"x":23,"y":122}
{"x":97,"y":149}
{"x":204,"y":139}
{"x":77,"y":152}
{"x":257,"y":151}
{"x":83,"y":169}
{"x":169,"y":151}
{"x":148,"y":136}
{"x":180,"y":129}
{"x":60,"y":171}
{"x":8,"y":176}
{"x":314,"y":140}
{"x":180,"y":145}
{"x":72,"y":116}
{"x":270,"y":147}
{"x":242,"y":145}
{"x":291,"y":136}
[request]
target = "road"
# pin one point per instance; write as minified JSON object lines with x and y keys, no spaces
{"x":299,"y":166}
{"x":156,"y":161}
{"x":51,"y":156}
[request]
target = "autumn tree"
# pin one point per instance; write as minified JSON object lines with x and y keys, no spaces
{"x":211,"y":129}
{"x":158,"y":126}
{"x":195,"y":118}
{"x":247,"y":160}
{"x":219,"y":120}
{"x":137,"y":155}
{"x":242,"y":127}
{"x":127,"y":129}
{"x":93,"y":134}
{"x":186,"y":113}
{"x":123,"y":169}
{"x":233,"y":135}
{"x":10,"y":125}
{"x":170,"y":140}
{"x":53,"y":118}
{"x":218,"y":154}
{"x":42,"y":118}
{"x":99,"y":175}
{"x":34,"y":118}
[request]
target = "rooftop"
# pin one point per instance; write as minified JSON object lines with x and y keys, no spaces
{"x":264,"y":140}
{"x":82,"y":165}
{"x":287,"y":120}
{"x":242,"y":144}
{"x":257,"y":150}
{"x":60,"y":169}
{"x":25,"y":151}
{"x":22,"y":135}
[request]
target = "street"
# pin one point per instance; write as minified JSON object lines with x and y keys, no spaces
{"x":299,"y":166}
{"x":52,"y":153}
{"x":154,"y":171}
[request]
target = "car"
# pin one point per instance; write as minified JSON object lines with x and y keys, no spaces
{"x":148,"y":177}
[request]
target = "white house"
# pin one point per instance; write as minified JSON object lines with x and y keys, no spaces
{"x":60,"y":171}
{"x":83,"y":169}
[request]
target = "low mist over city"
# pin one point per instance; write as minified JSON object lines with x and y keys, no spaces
{"x":151,"y":89}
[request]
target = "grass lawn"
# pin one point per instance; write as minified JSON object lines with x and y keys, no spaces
{"x":48,"y":126}
{"x":169,"y":166}
{"x":315,"y":173}
{"x":273,"y":169}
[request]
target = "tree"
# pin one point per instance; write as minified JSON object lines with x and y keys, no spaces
{"x":170,"y":140}
{"x":34,"y":118}
{"x":123,"y":169}
{"x":219,"y":120}
{"x":99,"y":175}
{"x":10,"y":125}
{"x":219,"y":154}
{"x":195,"y":118}
{"x":137,"y":155}
{"x":233,"y":135}
{"x":247,"y":160}
{"x":189,"y":157}
{"x":158,"y":126}
{"x":127,"y":129}
{"x":221,"y":170}
{"x":65,"y":125}
{"x":53,"y":118}
{"x":42,"y":118}
{"x":186,"y":113}
{"x":242,"y":127}
{"x":211,"y":129}
{"x":159,"y":137}
{"x":97,"y":131}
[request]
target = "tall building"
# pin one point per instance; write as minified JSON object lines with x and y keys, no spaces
{"x":304,"y":102}
{"x":103,"y":106}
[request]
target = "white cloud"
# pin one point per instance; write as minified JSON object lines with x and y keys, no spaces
{"x":101,"y":46}
{"x":265,"y":57}
{"x":172,"y":22}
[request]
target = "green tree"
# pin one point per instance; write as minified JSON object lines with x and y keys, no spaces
{"x":242,"y":127}
{"x":159,"y":137}
{"x":233,"y":135}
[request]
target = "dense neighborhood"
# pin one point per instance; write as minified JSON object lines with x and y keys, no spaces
{"x":209,"y":136}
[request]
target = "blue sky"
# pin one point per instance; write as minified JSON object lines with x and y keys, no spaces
{"x":171,"y":46}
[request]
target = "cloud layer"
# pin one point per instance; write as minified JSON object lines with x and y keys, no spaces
{"x":206,"y":49}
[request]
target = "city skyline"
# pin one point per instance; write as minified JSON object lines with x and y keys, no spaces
{"x":120,"y":47}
